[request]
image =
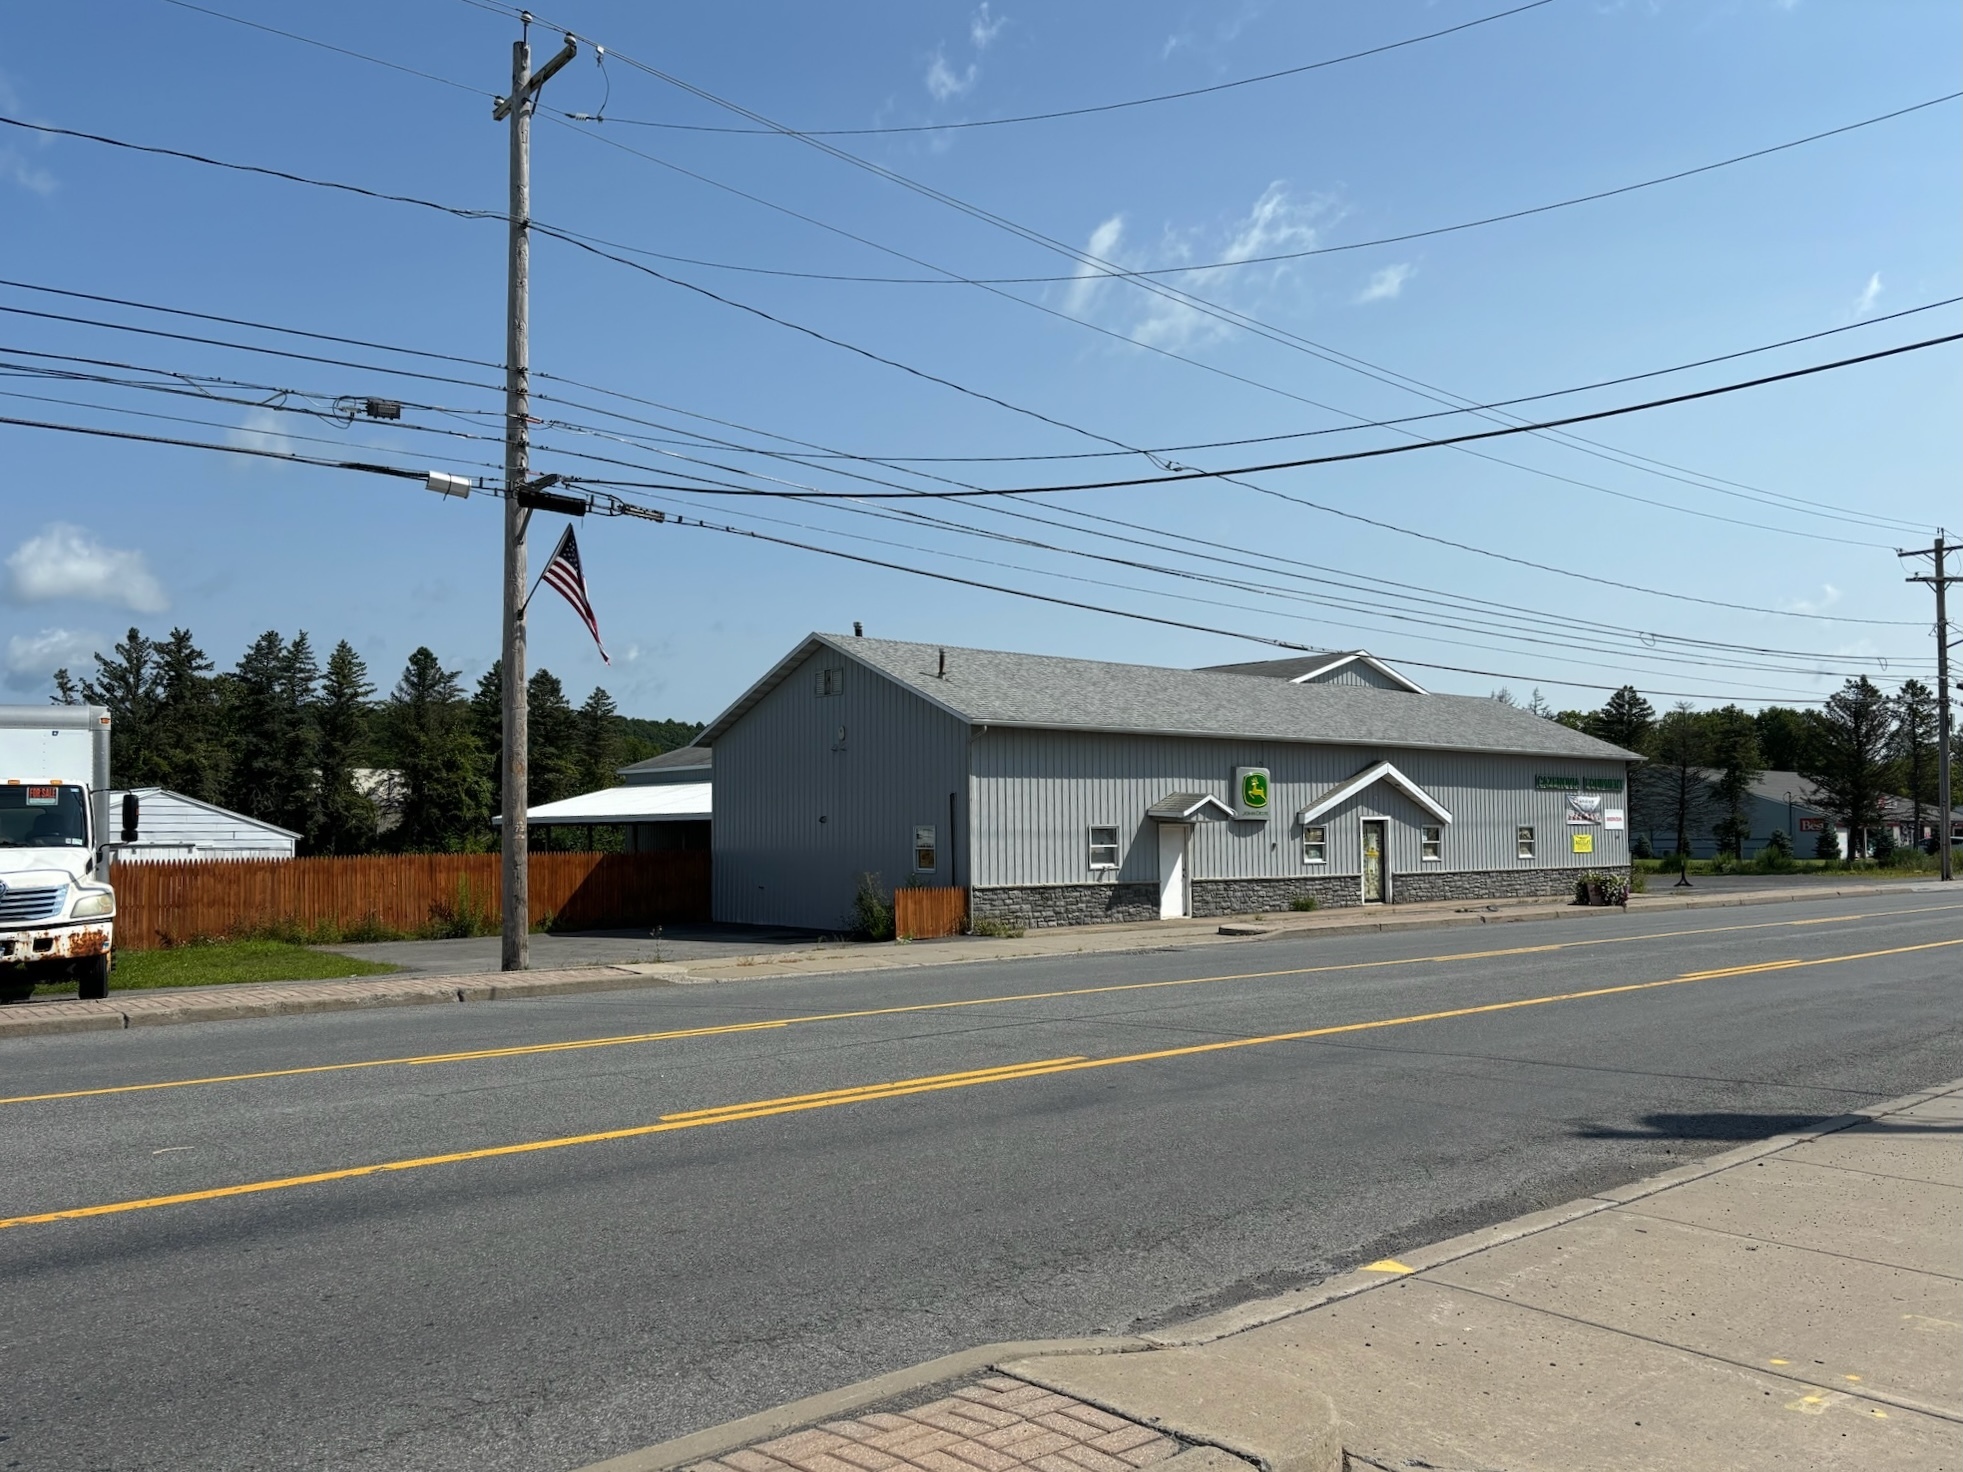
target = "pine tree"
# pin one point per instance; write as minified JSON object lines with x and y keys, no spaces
{"x":1913,"y":747}
{"x":1733,"y":748}
{"x":67,"y":692}
{"x":345,"y":817}
{"x":1625,"y":720}
{"x":599,"y":742}
{"x":1783,"y":734}
{"x":128,"y":686}
{"x":189,"y":746}
{"x":1848,"y":759}
{"x":552,"y":750}
{"x":269,"y":698}
{"x":487,"y":722}
{"x":445,"y":797}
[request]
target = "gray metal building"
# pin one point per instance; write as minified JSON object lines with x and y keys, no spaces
{"x":1068,"y":791}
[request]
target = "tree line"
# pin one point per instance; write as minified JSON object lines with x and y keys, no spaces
{"x":283,"y":738}
{"x":1861,"y":747}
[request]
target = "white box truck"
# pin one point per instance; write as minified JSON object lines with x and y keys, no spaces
{"x":57,"y":909}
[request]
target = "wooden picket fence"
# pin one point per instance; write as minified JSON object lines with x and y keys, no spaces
{"x":926,"y":914}
{"x":170,"y":903}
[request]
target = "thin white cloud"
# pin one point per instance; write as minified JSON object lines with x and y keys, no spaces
{"x":1104,"y":243}
{"x":943,"y":82}
{"x":1276,"y":223}
{"x":984,"y":27}
{"x":1829,"y":596}
{"x":262,"y":431}
{"x":64,"y":561}
{"x":1870,"y":294}
{"x":15,"y":167}
{"x":1386,"y":284}
{"x":32,"y":658}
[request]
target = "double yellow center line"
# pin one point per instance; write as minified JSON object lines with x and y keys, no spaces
{"x":523,"y":1050}
{"x":932,"y":1083}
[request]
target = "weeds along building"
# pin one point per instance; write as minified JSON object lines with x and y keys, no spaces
{"x":1070,"y":791}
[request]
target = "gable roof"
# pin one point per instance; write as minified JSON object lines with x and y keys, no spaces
{"x":683,"y":764}
{"x":1308,"y":668}
{"x":1342,"y":792}
{"x":171,"y":797}
{"x":988,"y":687}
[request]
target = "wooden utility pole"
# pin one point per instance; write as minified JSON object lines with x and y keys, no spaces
{"x":1940,"y":580}
{"x":516,"y":842}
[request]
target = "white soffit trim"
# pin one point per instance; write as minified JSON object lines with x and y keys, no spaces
{"x":1383,"y":771}
{"x":1368,"y":658}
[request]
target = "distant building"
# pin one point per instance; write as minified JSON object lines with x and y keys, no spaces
{"x":665,"y":804}
{"x":173,"y":826}
{"x":1786,"y":802}
{"x":1069,"y":791}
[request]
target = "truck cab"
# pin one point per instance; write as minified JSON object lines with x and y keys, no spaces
{"x":57,"y":907}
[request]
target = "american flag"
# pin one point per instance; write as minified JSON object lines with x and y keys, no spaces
{"x":564,"y":574}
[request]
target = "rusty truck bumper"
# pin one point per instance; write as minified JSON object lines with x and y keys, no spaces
{"x":74,"y":940}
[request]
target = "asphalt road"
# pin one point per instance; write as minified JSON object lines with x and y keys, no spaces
{"x":1125,"y":1141}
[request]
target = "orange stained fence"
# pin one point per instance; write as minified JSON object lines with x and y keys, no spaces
{"x":169,"y":903}
{"x":924,"y":914}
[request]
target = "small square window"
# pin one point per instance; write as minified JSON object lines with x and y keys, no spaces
{"x":1523,"y":843}
{"x":1430,"y":841}
{"x":830,"y":681}
{"x":1104,"y":848}
{"x":1315,"y":845}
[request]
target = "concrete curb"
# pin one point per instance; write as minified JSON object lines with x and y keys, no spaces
{"x":1195,"y":1333}
{"x":163,"y":1006}
{"x":831,"y":1405}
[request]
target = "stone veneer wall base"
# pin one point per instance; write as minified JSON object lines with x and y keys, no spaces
{"x":1041,"y":906}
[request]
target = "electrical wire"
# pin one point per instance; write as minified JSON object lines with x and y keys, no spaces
{"x":597,"y":247}
{"x":1103,"y":107}
{"x":1387,"y":526}
{"x":1236,"y":263}
{"x":1184,"y":476}
{"x":394,"y":66}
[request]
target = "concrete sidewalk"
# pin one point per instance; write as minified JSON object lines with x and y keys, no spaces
{"x":161,"y":1006}
{"x":1797,"y":1303}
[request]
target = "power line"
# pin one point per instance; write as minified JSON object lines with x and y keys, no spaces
{"x":1102,"y":266}
{"x":1103,"y":107}
{"x":394,"y":66}
{"x":614,"y":393}
{"x":1428,"y":233}
{"x":595,"y":246}
{"x":1156,"y":619}
{"x":155,"y":439}
{"x":1182,"y":476}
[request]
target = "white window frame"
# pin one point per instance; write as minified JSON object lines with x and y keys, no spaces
{"x":926,"y":851}
{"x":1524,"y":841}
{"x":1315,"y":843}
{"x":1431,"y":843}
{"x":1094,"y":846}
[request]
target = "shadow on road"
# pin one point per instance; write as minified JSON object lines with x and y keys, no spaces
{"x":1744,"y":1126}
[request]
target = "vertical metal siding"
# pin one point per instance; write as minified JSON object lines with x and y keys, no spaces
{"x":777,"y":774}
{"x":1038,"y":793}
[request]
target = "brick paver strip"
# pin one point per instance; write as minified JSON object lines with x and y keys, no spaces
{"x":994,"y":1425}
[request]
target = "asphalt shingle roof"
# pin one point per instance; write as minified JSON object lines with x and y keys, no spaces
{"x":995,"y":688}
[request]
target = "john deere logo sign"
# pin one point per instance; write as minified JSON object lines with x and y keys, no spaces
{"x":1250,"y":792}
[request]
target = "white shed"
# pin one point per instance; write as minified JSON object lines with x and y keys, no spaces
{"x":173,"y":826}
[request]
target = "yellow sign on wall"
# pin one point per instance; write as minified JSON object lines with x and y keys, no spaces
{"x":1584,"y":843}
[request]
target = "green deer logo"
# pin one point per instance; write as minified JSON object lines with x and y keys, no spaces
{"x":1254,"y":790}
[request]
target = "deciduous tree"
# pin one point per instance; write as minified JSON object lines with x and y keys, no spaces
{"x":1671,"y":789}
{"x":1732,"y":745}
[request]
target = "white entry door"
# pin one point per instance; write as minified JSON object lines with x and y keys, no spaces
{"x":1175,"y":871}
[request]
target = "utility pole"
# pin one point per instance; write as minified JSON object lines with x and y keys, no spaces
{"x":1940,"y":580}
{"x":516,"y":844}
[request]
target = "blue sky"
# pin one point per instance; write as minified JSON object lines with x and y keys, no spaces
{"x":1563,"y":99}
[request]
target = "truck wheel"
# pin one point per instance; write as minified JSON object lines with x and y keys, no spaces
{"x":92,"y":978}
